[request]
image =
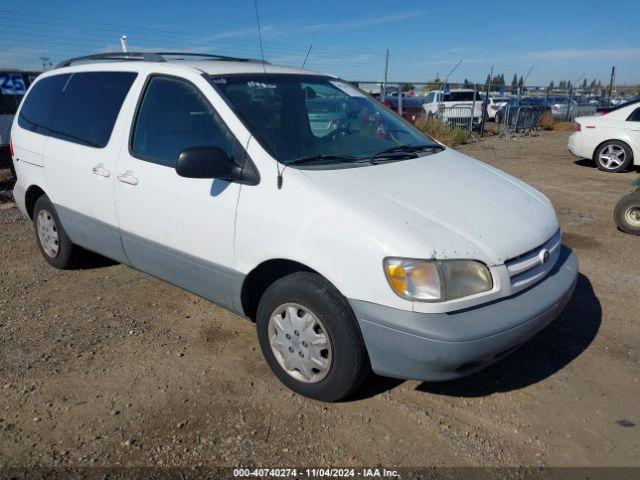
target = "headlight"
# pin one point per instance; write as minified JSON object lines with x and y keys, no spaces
{"x":436,"y":280}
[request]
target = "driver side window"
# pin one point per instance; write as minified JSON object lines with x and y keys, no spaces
{"x":173,"y":116}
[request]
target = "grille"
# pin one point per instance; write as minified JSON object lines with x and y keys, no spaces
{"x":528,"y":268}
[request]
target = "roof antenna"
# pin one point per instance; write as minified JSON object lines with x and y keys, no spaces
{"x":305,"y":58}
{"x":255,"y":6}
{"x":264,"y":70}
{"x":123,"y":43}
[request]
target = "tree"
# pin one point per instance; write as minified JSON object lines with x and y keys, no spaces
{"x":584,"y":83}
{"x":521,"y":82}
{"x":514,"y":81}
{"x":488,"y":80}
{"x":551,"y":84}
{"x":405,"y":87}
{"x":466,"y":83}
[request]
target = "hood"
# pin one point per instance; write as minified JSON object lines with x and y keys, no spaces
{"x":449,"y":202}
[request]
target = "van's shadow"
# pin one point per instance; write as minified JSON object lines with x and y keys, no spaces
{"x":545,"y":354}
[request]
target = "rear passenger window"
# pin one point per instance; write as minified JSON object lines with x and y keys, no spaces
{"x":174,"y":116}
{"x":89,"y":107}
{"x":635,"y":116}
{"x":41,"y":102}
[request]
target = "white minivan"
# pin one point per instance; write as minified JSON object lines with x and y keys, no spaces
{"x":365,"y":247}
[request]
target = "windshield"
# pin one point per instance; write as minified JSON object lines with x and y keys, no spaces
{"x":303,"y":116}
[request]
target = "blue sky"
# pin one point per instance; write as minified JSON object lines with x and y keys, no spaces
{"x":561,"y":40}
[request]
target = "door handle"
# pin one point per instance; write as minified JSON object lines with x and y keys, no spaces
{"x":128,"y":178}
{"x":100,"y":170}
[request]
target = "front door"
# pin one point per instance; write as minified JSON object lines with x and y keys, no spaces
{"x":175,"y":228}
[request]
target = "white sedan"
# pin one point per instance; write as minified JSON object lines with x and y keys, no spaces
{"x":612,"y":139}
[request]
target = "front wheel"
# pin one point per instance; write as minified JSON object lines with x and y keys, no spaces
{"x":310,"y":337}
{"x":627,"y":213}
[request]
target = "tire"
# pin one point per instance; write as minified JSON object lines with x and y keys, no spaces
{"x":613,"y":156}
{"x":627,"y":213}
{"x":13,"y":171}
{"x":53,"y":235}
{"x":334,"y":327}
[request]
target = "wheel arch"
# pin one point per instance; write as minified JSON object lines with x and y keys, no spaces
{"x":262,"y":276}
{"x":32,"y":194}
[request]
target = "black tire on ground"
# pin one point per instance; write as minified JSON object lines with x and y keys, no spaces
{"x":67,"y":254}
{"x":350,"y":363}
{"x":627,"y":213}
{"x":13,"y":171}
{"x":628,"y":156}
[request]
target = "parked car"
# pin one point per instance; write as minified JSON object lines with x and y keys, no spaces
{"x":559,"y":106}
{"x":494,"y":104}
{"x":371,"y":247}
{"x":627,"y":211}
{"x":411,"y":107}
{"x":610,"y":108}
{"x":457,"y":103}
{"x":611,"y":140}
{"x":13,"y":85}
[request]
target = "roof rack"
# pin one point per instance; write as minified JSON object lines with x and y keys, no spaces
{"x":151,"y":57}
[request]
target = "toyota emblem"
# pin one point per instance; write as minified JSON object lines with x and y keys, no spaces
{"x":544,"y":255}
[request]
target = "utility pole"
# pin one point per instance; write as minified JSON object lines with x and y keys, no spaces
{"x":383,"y":92}
{"x":123,"y":43}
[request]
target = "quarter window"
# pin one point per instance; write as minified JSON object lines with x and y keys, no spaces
{"x":174,"y":116}
{"x":39,"y":107}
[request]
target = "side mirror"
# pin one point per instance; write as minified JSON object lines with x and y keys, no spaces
{"x":207,"y":162}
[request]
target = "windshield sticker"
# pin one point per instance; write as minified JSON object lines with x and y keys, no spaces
{"x":12,"y":84}
{"x":260,"y":85}
{"x":219,"y":81}
{"x":348,"y":89}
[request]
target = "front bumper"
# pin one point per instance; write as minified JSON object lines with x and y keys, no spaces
{"x":444,"y":346}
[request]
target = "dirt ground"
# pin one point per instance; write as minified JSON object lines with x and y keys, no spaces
{"x":107,"y":366}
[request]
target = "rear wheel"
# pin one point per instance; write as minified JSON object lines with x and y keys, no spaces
{"x":310,"y":337}
{"x":55,"y":245}
{"x":613,"y":156}
{"x":627,"y":213}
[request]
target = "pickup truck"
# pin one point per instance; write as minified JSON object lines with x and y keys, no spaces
{"x":456,"y":104}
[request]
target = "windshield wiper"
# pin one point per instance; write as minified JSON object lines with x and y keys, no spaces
{"x":320,"y":157}
{"x":410,"y":149}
